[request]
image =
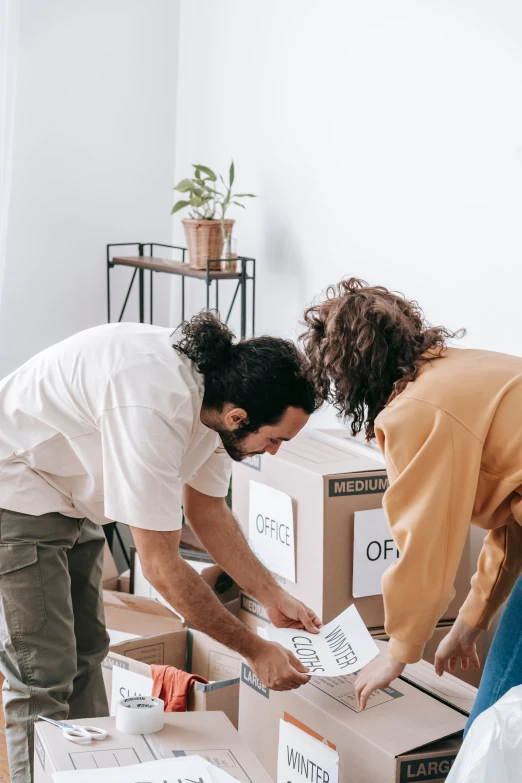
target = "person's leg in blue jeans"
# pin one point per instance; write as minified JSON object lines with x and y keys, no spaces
{"x":503,"y":669}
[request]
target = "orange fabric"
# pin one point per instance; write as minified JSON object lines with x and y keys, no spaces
{"x":173,"y":686}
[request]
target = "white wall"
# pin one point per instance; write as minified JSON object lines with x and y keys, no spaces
{"x":93,"y":161}
{"x":384,"y":141}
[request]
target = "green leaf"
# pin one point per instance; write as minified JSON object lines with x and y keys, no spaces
{"x":179,"y":205}
{"x":206,"y":171}
{"x":231,"y":174}
{"x":185,"y":186}
{"x":239,"y":205}
{"x":244,"y":195}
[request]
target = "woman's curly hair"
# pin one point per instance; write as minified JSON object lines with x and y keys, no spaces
{"x":365,"y":344}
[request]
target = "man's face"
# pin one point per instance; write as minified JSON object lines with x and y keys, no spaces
{"x":240,"y":444}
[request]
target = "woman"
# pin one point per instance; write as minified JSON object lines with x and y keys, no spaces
{"x":449,"y":424}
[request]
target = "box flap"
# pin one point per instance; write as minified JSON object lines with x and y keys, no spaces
{"x":137,"y":603}
{"x":447,"y":689}
{"x":324,"y":455}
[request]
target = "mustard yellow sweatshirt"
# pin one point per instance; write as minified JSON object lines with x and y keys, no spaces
{"x":452,"y":442}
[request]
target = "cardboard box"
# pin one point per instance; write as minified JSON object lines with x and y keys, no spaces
{"x":209,"y":735}
{"x":404,"y":735}
{"x":189,"y":650}
{"x":221,"y":584}
{"x":124,"y":582}
{"x":128,"y":616}
{"x":329,"y":479}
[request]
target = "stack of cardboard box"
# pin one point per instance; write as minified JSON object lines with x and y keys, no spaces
{"x":318,"y":505}
{"x":342,"y":541}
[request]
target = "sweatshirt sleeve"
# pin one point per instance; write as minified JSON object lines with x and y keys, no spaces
{"x":433,"y":467}
{"x":499,"y":567}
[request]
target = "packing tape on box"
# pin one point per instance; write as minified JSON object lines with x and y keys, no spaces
{"x":140,"y":715}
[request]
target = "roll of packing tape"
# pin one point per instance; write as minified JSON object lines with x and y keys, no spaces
{"x":140,"y":715}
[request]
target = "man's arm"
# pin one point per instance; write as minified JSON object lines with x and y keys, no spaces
{"x":218,"y":530}
{"x":185,"y":590}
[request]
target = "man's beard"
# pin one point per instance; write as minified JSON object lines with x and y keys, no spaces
{"x":232,"y":443}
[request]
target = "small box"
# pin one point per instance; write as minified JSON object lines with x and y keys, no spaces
{"x":188,"y":650}
{"x":207,"y":734}
{"x":330,"y":479}
{"x":405,"y":734}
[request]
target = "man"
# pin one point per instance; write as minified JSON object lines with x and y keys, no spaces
{"x":117,"y":423}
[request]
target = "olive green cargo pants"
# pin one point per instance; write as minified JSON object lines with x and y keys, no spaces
{"x":52,"y":626}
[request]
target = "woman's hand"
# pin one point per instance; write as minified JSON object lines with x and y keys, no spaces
{"x":378,"y":674}
{"x":459,"y":645}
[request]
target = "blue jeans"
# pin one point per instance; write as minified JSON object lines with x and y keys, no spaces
{"x":503,"y":669}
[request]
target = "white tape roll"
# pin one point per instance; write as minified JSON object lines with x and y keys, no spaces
{"x":140,"y":715}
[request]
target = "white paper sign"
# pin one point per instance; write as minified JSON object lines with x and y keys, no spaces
{"x":374,"y":551}
{"x":343,"y":646}
{"x":126,"y":684}
{"x":182,"y":770}
{"x":302,"y":759}
{"x":271,"y":529}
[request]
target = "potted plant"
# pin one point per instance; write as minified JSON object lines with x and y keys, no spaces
{"x":207,"y":229}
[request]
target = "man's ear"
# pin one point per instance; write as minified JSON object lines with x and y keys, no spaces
{"x":234,"y":418}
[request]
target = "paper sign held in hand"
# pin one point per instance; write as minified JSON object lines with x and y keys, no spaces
{"x":271,"y":529}
{"x":342,"y":647}
{"x":302,"y":758}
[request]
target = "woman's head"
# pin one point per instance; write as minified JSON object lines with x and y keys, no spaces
{"x":258,"y":392}
{"x":365,"y":344}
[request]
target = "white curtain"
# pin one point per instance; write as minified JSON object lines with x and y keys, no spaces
{"x":9,"y":37}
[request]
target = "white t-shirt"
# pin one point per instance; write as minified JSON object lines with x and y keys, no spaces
{"x":106,"y":425}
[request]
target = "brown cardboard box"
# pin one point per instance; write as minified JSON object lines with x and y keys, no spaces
{"x":136,"y":616}
{"x":208,"y":734}
{"x":470,"y":676}
{"x":189,"y":650}
{"x":328,"y":478}
{"x":405,"y":734}
{"x":211,"y":573}
{"x":124,"y":582}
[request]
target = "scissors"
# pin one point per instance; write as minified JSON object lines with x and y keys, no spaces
{"x":82,"y":735}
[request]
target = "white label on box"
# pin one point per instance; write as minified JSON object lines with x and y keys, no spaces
{"x":343,"y":646}
{"x":271,"y":529}
{"x":126,"y":683}
{"x":373,"y":551}
{"x":180,"y":770}
{"x":302,"y":759}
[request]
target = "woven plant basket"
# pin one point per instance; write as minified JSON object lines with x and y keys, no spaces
{"x":205,"y":241}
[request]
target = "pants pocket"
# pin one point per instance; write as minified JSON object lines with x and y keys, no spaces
{"x":21,"y":591}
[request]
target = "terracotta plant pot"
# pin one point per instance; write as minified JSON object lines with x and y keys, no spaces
{"x":205,"y":242}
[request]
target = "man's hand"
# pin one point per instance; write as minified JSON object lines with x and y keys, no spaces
{"x":459,"y":645}
{"x":277,"y":667}
{"x":285,"y":611}
{"x":378,"y":674}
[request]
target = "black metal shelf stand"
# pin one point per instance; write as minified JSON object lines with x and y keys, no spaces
{"x":142,"y":262}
